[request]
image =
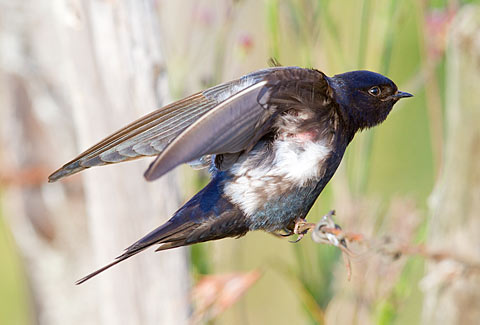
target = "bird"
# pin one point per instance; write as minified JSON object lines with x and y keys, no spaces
{"x":271,"y":140}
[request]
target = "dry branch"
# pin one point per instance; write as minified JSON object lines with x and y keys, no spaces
{"x":328,"y":232}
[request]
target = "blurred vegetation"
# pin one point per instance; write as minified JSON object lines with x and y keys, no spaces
{"x":14,"y":300}
{"x":399,"y":159}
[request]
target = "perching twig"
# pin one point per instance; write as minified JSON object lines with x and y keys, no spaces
{"x":328,"y":232}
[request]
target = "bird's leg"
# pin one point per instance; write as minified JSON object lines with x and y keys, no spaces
{"x":301,"y":228}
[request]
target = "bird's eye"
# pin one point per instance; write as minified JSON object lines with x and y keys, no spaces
{"x":375,"y":91}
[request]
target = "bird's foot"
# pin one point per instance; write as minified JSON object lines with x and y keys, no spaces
{"x":301,"y":228}
{"x":287,"y":233}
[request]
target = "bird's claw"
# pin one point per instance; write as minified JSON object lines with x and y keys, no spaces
{"x":286,"y":234}
{"x":301,"y":228}
{"x":300,"y":236}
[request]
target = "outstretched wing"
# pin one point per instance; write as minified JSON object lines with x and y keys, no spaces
{"x":149,"y":135}
{"x":239,"y":122}
{"x":228,"y":118}
{"x":230,"y":127}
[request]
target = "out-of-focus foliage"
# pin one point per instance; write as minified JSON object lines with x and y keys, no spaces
{"x":13,"y":291}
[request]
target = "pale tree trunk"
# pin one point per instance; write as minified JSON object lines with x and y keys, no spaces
{"x":71,"y":73}
{"x":452,"y":291}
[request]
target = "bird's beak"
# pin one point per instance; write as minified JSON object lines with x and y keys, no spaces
{"x":401,"y":94}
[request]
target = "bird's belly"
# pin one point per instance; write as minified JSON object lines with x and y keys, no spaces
{"x":273,"y":193}
{"x":278,"y":213}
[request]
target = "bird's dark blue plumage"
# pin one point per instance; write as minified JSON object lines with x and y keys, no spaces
{"x":272,"y":139}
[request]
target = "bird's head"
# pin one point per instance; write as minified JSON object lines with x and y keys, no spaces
{"x":367,"y":97}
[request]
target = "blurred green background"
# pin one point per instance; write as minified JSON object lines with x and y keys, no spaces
{"x":388,"y":172}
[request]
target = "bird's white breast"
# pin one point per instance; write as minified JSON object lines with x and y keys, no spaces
{"x":294,"y":164}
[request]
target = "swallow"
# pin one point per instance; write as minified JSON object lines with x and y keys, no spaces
{"x":271,"y":139}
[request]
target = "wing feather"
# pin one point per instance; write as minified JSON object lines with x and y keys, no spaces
{"x":147,"y":136}
{"x":228,"y":128}
{"x":227,"y":118}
